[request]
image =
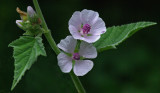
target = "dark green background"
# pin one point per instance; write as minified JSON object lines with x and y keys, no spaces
{"x":134,"y":67}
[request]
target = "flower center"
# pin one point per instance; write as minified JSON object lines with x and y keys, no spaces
{"x":76,"y":56}
{"x":86,"y":28}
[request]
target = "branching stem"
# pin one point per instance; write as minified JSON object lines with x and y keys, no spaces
{"x":52,"y":43}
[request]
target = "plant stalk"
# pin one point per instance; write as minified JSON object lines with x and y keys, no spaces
{"x":52,"y":43}
{"x":45,"y":27}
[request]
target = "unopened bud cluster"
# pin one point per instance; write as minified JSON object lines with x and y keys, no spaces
{"x":30,"y":22}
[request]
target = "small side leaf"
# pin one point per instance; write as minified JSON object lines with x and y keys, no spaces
{"x":26,"y":51}
{"x":117,"y":34}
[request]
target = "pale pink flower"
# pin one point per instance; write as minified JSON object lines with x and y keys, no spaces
{"x":86,"y":25}
{"x":66,"y":58}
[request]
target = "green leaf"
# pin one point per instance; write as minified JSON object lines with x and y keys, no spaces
{"x":116,"y":34}
{"x":26,"y":51}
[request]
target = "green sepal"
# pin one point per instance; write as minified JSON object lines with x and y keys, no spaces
{"x":77,"y":46}
{"x":68,"y":54}
{"x":82,"y":58}
{"x":73,"y":63}
{"x":31,"y":30}
{"x":35,"y":20}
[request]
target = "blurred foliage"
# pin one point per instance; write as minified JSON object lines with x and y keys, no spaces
{"x":132,"y":68}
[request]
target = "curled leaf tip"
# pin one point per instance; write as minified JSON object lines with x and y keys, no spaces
{"x":22,"y":13}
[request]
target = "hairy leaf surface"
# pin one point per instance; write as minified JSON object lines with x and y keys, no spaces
{"x":117,"y":34}
{"x":26,"y":51}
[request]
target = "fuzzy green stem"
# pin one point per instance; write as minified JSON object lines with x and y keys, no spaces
{"x":45,"y":27}
{"x":77,"y":83}
{"x":52,"y":43}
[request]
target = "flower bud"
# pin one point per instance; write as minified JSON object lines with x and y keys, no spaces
{"x":30,"y":22}
{"x":32,"y":16}
{"x":18,"y":22}
{"x":30,"y":11}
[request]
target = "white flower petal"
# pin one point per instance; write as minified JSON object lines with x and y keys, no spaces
{"x":91,"y":39}
{"x":18,"y":22}
{"x":64,"y":62}
{"x":87,"y":50}
{"x":68,"y":44}
{"x":82,"y":67}
{"x":30,"y":11}
{"x":76,"y":20}
{"x":89,"y":16}
{"x":74,"y":32}
{"x":98,"y":28}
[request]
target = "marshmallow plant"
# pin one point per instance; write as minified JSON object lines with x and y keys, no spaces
{"x":86,"y":25}
{"x":89,"y":35}
{"x":75,"y":58}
